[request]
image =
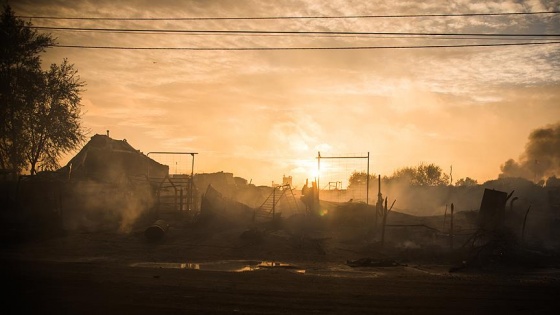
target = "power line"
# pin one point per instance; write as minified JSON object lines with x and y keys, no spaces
{"x":439,"y":37}
{"x":172,"y":31}
{"x":289,"y":17}
{"x":305,"y":48}
{"x":350,"y":35}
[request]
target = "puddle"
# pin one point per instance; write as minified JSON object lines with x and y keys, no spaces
{"x":223,"y":265}
{"x":343,"y":271}
{"x":338,"y":271}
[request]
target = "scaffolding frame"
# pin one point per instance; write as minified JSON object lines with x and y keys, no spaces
{"x":190,"y":195}
{"x":319,"y":157}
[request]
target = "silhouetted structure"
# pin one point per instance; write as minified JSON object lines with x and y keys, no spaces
{"x":310,"y":197}
{"x":107,"y":160}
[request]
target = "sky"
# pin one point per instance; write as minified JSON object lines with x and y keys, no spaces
{"x":263,"y":114}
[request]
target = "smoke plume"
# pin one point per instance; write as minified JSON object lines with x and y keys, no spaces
{"x":541,"y":158}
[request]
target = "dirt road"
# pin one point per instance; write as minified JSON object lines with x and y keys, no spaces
{"x":97,"y":273}
{"x":105,"y":287}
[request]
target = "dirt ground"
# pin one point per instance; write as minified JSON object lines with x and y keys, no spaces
{"x":212,"y":269}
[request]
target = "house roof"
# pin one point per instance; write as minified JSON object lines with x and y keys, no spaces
{"x":106,"y":158}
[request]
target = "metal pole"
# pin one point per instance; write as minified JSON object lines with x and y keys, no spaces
{"x":318,"y":171}
{"x":191,"y":184}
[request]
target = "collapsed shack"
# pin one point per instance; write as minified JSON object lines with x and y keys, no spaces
{"x":108,"y":185}
{"x":222,"y":215}
{"x":499,"y":239}
{"x":222,"y":210}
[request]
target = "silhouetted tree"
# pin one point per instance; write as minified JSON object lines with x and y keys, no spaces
{"x":360,"y":179}
{"x":405,"y":174}
{"x":39,"y":110}
{"x":466,"y":182}
{"x":431,"y":175}
{"x":422,"y":175}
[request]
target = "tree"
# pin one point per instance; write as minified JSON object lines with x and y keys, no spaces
{"x":360,"y":179}
{"x":55,"y":127}
{"x":40,"y":110}
{"x":431,"y":175}
{"x":422,"y":175}
{"x":466,"y":182}
{"x":405,"y":174}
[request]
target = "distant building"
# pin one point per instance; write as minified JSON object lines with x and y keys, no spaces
{"x":287,"y":180}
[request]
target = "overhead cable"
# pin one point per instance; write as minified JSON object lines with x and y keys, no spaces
{"x":305,"y":48}
{"x":172,"y":31}
{"x":289,"y":17}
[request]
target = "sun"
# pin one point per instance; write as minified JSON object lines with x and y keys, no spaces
{"x":306,"y":170}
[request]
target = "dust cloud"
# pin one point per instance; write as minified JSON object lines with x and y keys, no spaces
{"x":93,"y":206}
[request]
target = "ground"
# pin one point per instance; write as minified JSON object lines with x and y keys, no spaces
{"x":111,"y":272}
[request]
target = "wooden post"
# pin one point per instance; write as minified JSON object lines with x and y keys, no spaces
{"x":273,"y":203}
{"x":444,"y":217}
{"x":451,"y":227}
{"x":383,"y":223}
{"x":176,"y":197}
{"x":385,"y":213}
{"x":378,"y":207}
{"x":523,"y":229}
{"x":181,"y":199}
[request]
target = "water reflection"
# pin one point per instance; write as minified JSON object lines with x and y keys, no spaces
{"x":223,"y":265}
{"x":190,"y":266}
{"x":338,"y":271}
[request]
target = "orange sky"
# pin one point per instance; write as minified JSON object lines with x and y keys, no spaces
{"x":264,"y":114}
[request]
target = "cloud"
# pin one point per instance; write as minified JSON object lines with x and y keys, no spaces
{"x":242,"y":109}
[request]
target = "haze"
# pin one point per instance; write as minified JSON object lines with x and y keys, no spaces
{"x":265,"y":114}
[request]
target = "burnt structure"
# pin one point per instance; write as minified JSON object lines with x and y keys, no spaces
{"x":492,"y":209}
{"x":108,"y":160}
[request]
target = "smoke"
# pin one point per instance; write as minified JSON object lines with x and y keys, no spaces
{"x":94,"y":206}
{"x":541,"y":158}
